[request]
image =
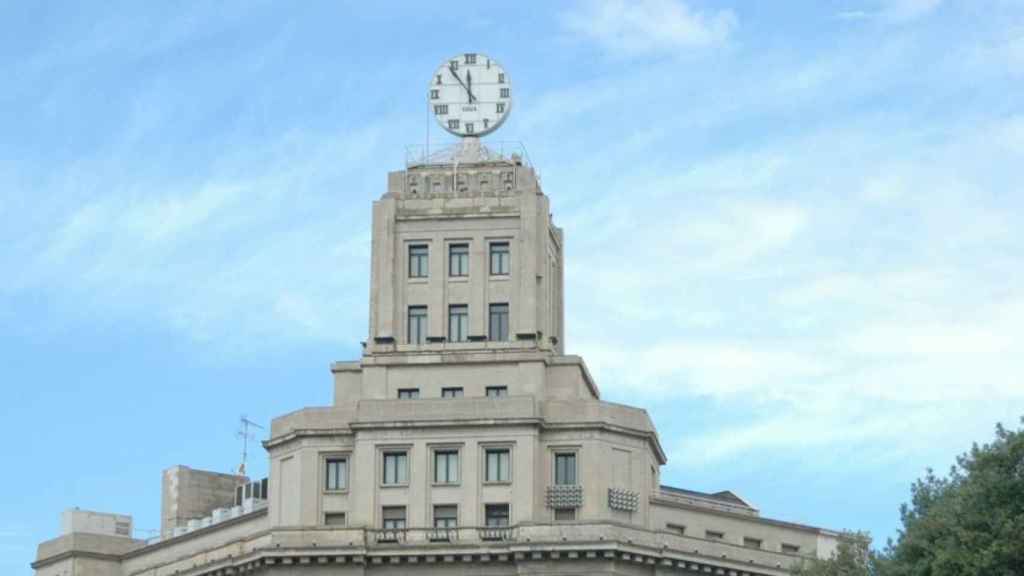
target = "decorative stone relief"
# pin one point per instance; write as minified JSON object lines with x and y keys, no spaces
{"x":622,"y":499}
{"x":563,"y":496}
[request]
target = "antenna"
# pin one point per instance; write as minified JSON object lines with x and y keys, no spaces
{"x":245,"y":435}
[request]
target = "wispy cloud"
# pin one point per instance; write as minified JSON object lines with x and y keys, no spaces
{"x":631,"y":28}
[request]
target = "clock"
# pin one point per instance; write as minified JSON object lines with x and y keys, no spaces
{"x":470,"y":95}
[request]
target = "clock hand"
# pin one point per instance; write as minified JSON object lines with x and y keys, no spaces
{"x":452,"y":70}
{"x":469,"y":88}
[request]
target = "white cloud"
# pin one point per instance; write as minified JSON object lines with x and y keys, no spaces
{"x":908,"y":10}
{"x":639,"y":27}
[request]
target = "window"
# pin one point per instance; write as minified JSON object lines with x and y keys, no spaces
{"x":565,"y":468}
{"x":499,"y":258}
{"x":418,"y":260}
{"x":417,"y":324}
{"x":713,"y":535}
{"x":336,"y":476}
{"x":446,"y":467}
{"x":497,"y":391}
{"x":496,"y":515}
{"x":451,"y":392}
{"x":408,"y":393}
{"x":458,"y":259}
{"x":752,"y":542}
{"x":498,"y":328}
{"x":394,"y":517}
{"x":677,"y":528}
{"x":334,"y":519}
{"x":396,"y":467}
{"x":446,"y":516}
{"x":458,"y":323}
{"x":497,"y":465}
{"x":790,"y":549}
{"x":565,"y":515}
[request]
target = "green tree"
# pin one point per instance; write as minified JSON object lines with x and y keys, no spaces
{"x":852,"y":557}
{"x":970,"y":523}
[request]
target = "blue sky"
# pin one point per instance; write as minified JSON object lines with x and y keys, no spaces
{"x":793,"y":229}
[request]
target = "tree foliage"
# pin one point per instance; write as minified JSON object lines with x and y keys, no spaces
{"x":970,"y":523}
{"x":852,"y":557}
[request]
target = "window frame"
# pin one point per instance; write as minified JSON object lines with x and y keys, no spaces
{"x":422,"y":324}
{"x":490,"y":321}
{"x":498,"y":392}
{"x":434,"y":518}
{"x":462,"y":270}
{"x":487,"y":449}
{"x":422,"y":261}
{"x":326,"y":460}
{"x":408,"y":393}
{"x":343,"y":523}
{"x":464,"y":336}
{"x":563,"y":511}
{"x":504,"y":257}
{"x":488,"y":506}
{"x":456,"y":392}
{"x":434,"y":468}
{"x":714,"y":535}
{"x":556,"y":455}
{"x":394,"y":451}
{"x":384,"y":520}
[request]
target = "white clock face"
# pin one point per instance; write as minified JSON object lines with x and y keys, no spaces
{"x":470,"y":95}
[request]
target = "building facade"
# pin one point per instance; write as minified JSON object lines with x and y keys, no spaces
{"x":463,"y":441}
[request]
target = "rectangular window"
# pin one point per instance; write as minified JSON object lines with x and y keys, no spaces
{"x":458,"y":323}
{"x":336,"y":477}
{"x":446,"y":516}
{"x":496,"y":515}
{"x":334,"y":519}
{"x":500,"y":259}
{"x":790,"y":549}
{"x":497,"y":464}
{"x":677,"y":528}
{"x":498,"y":326}
{"x":446,"y":467}
{"x":451,"y":392}
{"x":418,"y":260}
{"x":713,"y":535}
{"x":458,"y":260}
{"x":417,"y":324}
{"x":565,"y":468}
{"x":408,"y":393}
{"x":396,"y":468}
{"x":565,"y":515}
{"x":752,"y":542}
{"x":394,"y":517}
{"x":497,"y":391}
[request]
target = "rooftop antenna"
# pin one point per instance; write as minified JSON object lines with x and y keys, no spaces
{"x":245,"y":435}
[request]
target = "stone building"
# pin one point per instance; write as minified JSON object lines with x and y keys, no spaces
{"x":464,"y":441}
